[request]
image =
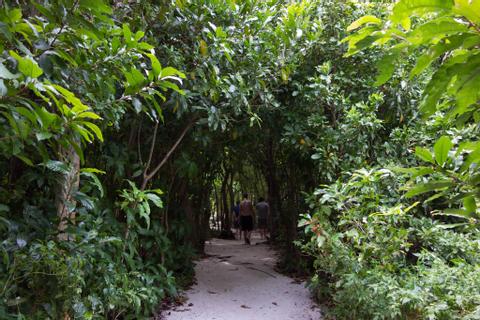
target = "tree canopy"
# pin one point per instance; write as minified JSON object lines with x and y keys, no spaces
{"x":128,"y":130}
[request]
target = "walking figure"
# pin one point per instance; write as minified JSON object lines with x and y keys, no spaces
{"x":246,"y":217}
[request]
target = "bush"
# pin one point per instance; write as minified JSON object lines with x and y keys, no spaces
{"x":386,"y":260}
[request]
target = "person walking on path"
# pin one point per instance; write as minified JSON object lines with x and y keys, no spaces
{"x":246,"y":217}
{"x":263,"y":213}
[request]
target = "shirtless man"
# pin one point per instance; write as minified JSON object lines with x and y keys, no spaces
{"x":246,"y":217}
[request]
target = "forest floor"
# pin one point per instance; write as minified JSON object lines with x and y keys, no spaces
{"x":238,"y":282}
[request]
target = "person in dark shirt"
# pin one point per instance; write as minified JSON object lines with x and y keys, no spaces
{"x":263,"y":213}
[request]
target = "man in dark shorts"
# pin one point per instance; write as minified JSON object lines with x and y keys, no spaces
{"x":263,"y":212}
{"x":246,"y":217}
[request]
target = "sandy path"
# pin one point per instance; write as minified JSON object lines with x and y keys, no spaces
{"x":237,"y":282}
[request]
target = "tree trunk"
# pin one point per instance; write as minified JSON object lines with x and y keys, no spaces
{"x":67,"y":187}
{"x":273,"y":190}
{"x":227,"y":226}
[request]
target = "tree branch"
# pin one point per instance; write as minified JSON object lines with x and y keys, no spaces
{"x":148,"y":176}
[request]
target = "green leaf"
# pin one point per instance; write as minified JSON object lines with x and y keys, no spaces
{"x":95,"y":179}
{"x":427,"y":187}
{"x":435,"y":89}
{"x":169,"y":71}
{"x":157,"y":191}
{"x":469,"y":9}
{"x":386,"y":67}
{"x":83,"y":132}
{"x":435,"y":29}
{"x":78,"y":106}
{"x":362,"y":21}
{"x":422,"y":171}
{"x":27,"y":66}
{"x":447,"y":44}
{"x":45,"y":118}
{"x":43,"y":135}
{"x":57,"y":166}
{"x":441,"y":148}
{"x":459,"y":213}
{"x":406,"y":8}
{"x":144,"y":212}
{"x":156,"y":66}
{"x":26,"y":160}
{"x":95,"y":129}
{"x":92,"y":170}
{"x":466,"y":83}
{"x":135,"y":80}
{"x":89,"y":115}
{"x":95,"y":5}
{"x":157,"y":201}
{"x":424,"y":154}
{"x":127,"y":33}
{"x":362,"y":39}
{"x":470,"y":204}
{"x":30,"y":115}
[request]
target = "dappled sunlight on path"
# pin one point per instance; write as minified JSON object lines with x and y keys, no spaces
{"x":238,"y":282}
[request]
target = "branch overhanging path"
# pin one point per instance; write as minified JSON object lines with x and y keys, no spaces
{"x":238,"y":282}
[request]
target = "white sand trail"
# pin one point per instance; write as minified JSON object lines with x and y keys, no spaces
{"x":238,"y":282}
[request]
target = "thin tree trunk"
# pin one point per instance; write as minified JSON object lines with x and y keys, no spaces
{"x":67,"y":186}
{"x":273,"y":190}
{"x":226,"y":214}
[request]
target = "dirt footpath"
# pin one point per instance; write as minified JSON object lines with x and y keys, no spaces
{"x":238,"y":282}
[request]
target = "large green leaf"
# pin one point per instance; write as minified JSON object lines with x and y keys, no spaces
{"x":135,"y":80}
{"x":466,"y":85}
{"x":98,"y":6}
{"x":156,"y":66}
{"x":470,"y":204}
{"x":94,"y":128}
{"x":427,"y":187}
{"x":27,"y":66}
{"x":433,"y":30}
{"x":78,"y":106}
{"x":362,"y":21}
{"x":469,"y":9}
{"x":441,"y":148}
{"x":406,"y":8}
{"x":424,"y":154}
{"x":459,"y":213}
{"x":386,"y":67}
{"x":155,"y":199}
{"x":449,"y":43}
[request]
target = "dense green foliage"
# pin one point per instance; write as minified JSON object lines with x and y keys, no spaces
{"x":399,"y":238}
{"x":128,"y":129}
{"x":96,"y":119}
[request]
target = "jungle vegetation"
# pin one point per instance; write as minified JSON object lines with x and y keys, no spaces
{"x":129,"y":128}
